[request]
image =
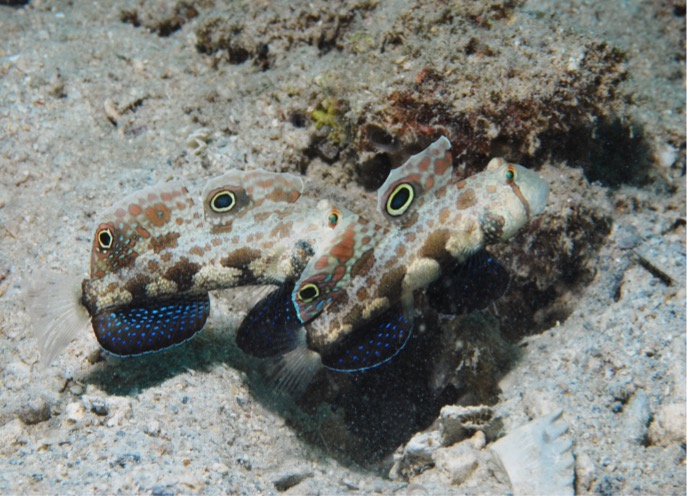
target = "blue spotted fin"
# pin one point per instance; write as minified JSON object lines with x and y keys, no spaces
{"x":271,"y":327}
{"x":407,"y":186}
{"x":138,"y":329}
{"x":468,"y":286}
{"x":373,"y":344}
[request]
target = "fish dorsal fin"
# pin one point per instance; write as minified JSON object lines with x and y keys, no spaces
{"x":238,"y":193}
{"x":407,"y":185}
{"x":147,"y":220}
{"x":345,"y":250}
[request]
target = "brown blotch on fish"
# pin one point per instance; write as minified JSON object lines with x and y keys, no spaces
{"x":137,"y":287}
{"x":222,"y":229}
{"x":466,"y":200}
{"x":363,"y":264}
{"x":261,"y":216}
{"x":411,"y":221}
{"x":354,"y":317}
{"x":197,"y":250}
{"x":169,"y":240}
{"x":240,"y":258}
{"x":282,"y":230}
{"x":183,"y":273}
{"x":362,"y":295}
{"x":444,"y":215}
{"x":400,"y":251}
{"x":435,"y":245}
{"x":278,"y":194}
{"x":441,"y":192}
{"x":390,"y":283}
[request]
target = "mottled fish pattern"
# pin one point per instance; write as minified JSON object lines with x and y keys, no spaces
{"x":157,"y":254}
{"x":436,"y":224}
{"x":346,"y":284}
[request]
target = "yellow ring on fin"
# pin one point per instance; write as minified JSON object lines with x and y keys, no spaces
{"x":109,"y":241}
{"x":308,"y":287}
{"x":397,"y":212}
{"x":222,"y":209}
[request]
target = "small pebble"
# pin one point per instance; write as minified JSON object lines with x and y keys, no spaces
{"x":76,"y":389}
{"x":127,"y":459}
{"x":35,"y":411}
{"x":98,"y":406}
{"x":74,"y":412}
{"x":636,"y":418}
{"x":628,"y":237}
{"x":152,"y":428}
{"x":162,"y":490}
{"x":291,"y":479}
{"x":669,"y":425}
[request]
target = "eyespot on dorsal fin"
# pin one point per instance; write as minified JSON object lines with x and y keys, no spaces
{"x":407,"y":185}
{"x":145,"y":328}
{"x":377,"y":342}
{"x":146,"y":220}
{"x":234,"y":194}
{"x":344,"y":250}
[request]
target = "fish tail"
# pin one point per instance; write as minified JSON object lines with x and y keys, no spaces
{"x":56,"y":311}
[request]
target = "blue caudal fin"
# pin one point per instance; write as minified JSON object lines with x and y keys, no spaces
{"x":372,"y":345}
{"x":139,"y":329}
{"x":471,"y":285}
{"x":271,"y":327}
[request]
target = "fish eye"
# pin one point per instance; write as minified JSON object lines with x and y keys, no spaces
{"x":510,"y":174}
{"x":105,"y":239}
{"x":308,"y":292}
{"x":222,"y":201}
{"x":333,"y":219}
{"x":400,"y":200}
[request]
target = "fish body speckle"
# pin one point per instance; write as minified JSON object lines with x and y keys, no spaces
{"x":436,"y":224}
{"x":346,"y":285}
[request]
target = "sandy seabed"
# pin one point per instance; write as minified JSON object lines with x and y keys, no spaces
{"x":99,"y":99}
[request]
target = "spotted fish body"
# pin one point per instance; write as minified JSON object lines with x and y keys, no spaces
{"x":341,"y":255}
{"x":436,"y":222}
{"x":157,"y":254}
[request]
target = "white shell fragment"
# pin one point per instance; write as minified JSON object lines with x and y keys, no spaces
{"x":537,"y":457}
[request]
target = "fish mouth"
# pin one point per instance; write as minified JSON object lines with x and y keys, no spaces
{"x":535,"y":190}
